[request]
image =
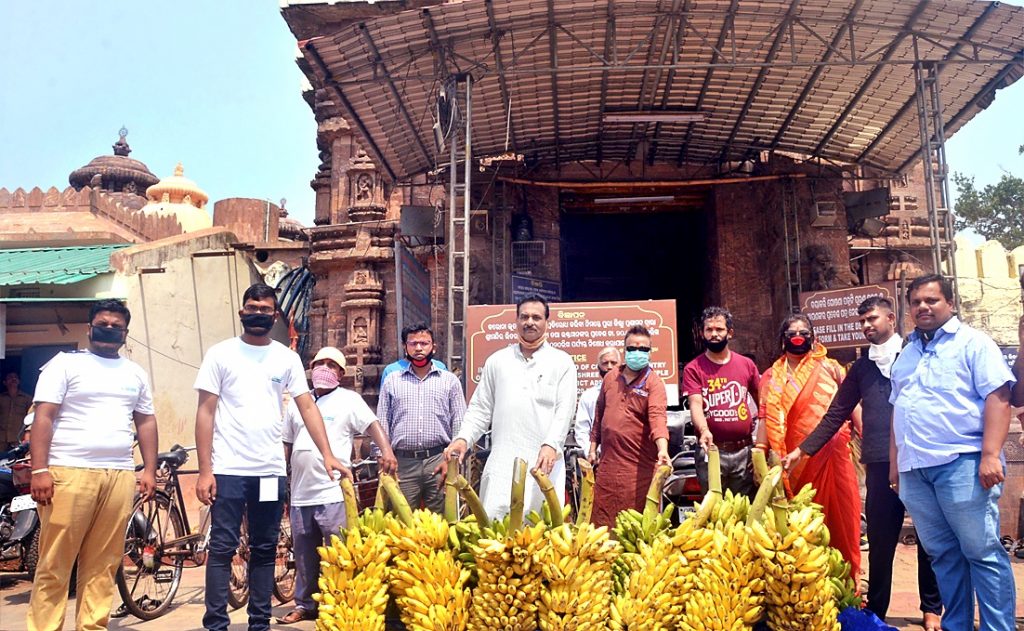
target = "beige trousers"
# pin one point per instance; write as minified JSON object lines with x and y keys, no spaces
{"x":85,"y":520}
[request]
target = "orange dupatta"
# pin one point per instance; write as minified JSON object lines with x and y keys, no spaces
{"x":790,"y":414}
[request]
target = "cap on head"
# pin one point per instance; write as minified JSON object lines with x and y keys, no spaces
{"x":331,"y":353}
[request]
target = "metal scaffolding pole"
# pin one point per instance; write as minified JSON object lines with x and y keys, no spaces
{"x":936,"y":183}
{"x":458,"y":236}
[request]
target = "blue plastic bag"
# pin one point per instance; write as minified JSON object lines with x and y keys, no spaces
{"x":853,"y":619}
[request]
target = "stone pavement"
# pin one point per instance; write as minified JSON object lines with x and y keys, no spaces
{"x":187,"y":612}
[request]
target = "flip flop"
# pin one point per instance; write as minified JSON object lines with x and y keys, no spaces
{"x":296,"y":615}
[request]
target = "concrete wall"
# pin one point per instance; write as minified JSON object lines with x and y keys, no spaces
{"x":177,"y":314}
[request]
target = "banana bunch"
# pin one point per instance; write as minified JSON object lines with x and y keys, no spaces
{"x":728,"y":588}
{"x":372,"y":521}
{"x":798,"y":594}
{"x":353,"y":583}
{"x":426,"y":531}
{"x":434,"y":595}
{"x":844,"y":587}
{"x":732,"y":508}
{"x":666,"y":573}
{"x":462,"y":536}
{"x":509,"y":581}
{"x":576,"y":562}
{"x":546,"y":517}
{"x":632,"y":529}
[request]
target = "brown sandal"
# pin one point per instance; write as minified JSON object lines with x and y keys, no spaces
{"x":296,"y":615}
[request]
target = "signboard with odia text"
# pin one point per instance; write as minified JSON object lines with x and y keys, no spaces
{"x":833,"y":312}
{"x":581,"y":329}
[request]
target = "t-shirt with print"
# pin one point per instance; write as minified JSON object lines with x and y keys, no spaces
{"x":726,"y":390}
{"x":249,"y":382}
{"x":94,"y":425}
{"x":345,"y":415}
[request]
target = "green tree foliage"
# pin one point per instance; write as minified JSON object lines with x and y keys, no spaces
{"x":995,"y":212}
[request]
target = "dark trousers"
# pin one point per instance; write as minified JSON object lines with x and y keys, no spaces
{"x":419,"y":484}
{"x":238,"y":496}
{"x":884,"y":512}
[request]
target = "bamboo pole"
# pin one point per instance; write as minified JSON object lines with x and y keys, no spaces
{"x":586,"y":492}
{"x":399,"y":504}
{"x":351,"y":505}
{"x":451,"y":492}
{"x":550,"y":496}
{"x":518,"y":495}
{"x":473,"y":501}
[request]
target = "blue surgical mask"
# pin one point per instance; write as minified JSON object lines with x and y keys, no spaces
{"x":637,"y":360}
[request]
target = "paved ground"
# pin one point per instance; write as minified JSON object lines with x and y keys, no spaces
{"x":187,"y":613}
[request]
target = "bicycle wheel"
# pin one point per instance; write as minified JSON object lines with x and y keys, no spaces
{"x":150,"y":572}
{"x":284,"y":563}
{"x":238,"y":584}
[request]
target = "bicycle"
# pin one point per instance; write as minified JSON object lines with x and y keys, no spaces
{"x":284,"y":561}
{"x":156,"y":543}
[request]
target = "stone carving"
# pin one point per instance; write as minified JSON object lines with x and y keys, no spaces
{"x":364,"y":189}
{"x":360,"y":331}
{"x":824,"y":272}
{"x":902,"y":265}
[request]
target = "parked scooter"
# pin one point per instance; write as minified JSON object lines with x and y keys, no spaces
{"x":19,"y":521}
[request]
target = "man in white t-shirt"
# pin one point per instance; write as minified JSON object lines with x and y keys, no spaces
{"x":317,"y":506}
{"x":239,"y":428}
{"x":83,"y":469}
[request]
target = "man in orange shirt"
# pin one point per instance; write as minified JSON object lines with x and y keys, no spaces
{"x":630,"y":427}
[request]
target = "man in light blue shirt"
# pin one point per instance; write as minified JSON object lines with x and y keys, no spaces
{"x":951,"y":414}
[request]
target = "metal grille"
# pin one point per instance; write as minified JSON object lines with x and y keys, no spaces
{"x":527,"y":256}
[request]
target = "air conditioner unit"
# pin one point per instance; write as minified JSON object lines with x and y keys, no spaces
{"x":824,"y":214}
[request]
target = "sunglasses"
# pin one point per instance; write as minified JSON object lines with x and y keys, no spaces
{"x":642,"y":349}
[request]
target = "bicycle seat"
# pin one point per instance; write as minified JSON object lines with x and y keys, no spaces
{"x":173,"y":458}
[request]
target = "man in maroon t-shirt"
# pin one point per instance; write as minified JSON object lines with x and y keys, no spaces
{"x":722,"y":387}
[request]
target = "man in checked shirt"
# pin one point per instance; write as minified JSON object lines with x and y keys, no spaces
{"x":421,"y":408}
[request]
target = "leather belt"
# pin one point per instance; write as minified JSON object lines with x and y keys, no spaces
{"x":734,"y":445}
{"x":419,"y":454}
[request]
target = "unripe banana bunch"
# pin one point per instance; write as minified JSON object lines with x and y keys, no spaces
{"x":509,"y":581}
{"x":632,"y":527}
{"x":434,"y":596}
{"x":545,"y":517}
{"x":844,"y":586}
{"x":463,"y":535}
{"x":372,"y":521}
{"x":732,"y":508}
{"x":352,"y":582}
{"x":576,"y":564}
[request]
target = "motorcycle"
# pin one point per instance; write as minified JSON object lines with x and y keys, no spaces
{"x":19,"y":521}
{"x":682,"y":487}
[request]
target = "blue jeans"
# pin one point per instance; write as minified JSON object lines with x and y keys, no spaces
{"x":958,"y":522}
{"x":238,"y":495}
{"x":312,"y":526}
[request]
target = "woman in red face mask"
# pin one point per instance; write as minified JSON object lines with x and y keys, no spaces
{"x":795,"y":393}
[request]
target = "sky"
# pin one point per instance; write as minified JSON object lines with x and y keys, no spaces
{"x":214,"y":84}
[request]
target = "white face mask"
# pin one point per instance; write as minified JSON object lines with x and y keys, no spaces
{"x":885,"y":354}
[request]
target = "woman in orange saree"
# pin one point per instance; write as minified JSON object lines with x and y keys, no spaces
{"x":795,"y":393}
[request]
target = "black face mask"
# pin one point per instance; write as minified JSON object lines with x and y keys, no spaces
{"x":262,"y":321}
{"x":799,"y":345}
{"x":105,"y":335}
{"x":716,"y":347}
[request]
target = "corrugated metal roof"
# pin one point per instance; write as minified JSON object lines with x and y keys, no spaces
{"x":55,"y":266}
{"x":827,"y":78}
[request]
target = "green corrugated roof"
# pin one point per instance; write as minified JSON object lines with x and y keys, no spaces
{"x":55,"y":266}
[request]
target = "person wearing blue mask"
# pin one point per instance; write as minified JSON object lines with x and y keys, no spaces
{"x":631,"y":429}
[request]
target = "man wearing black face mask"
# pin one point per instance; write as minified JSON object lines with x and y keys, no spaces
{"x":83,"y":470}
{"x":721,"y":386}
{"x":421,"y":408}
{"x":239,"y":427}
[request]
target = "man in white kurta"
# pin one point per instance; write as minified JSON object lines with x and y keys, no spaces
{"x":527,"y":397}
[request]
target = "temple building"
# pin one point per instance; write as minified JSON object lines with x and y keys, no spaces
{"x":179,"y":197}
